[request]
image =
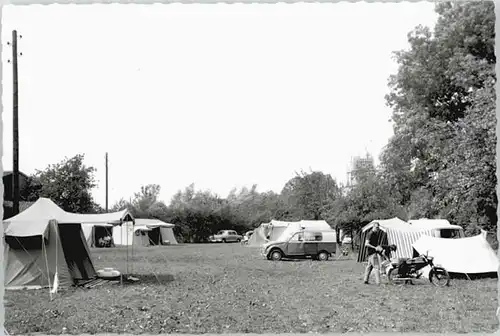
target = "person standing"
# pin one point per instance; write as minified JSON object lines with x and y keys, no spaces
{"x":373,"y":248}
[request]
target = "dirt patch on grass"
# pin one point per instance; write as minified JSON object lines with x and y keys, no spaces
{"x":231,"y":289}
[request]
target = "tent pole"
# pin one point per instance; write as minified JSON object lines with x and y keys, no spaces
{"x":133,"y":238}
{"x":126,"y":232}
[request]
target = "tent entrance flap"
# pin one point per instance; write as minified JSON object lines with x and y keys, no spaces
{"x":155,"y":236}
{"x":76,"y":255}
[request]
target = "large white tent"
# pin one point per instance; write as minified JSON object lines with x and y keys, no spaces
{"x":471,"y":255}
{"x":44,"y":240}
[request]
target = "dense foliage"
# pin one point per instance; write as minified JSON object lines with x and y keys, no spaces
{"x":440,"y":162}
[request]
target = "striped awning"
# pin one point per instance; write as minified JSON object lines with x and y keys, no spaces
{"x":404,"y":240}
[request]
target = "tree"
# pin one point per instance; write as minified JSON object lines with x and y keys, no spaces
{"x":69,"y":184}
{"x":32,"y":189}
{"x":146,"y":203}
{"x":441,"y":160}
{"x":308,"y":195}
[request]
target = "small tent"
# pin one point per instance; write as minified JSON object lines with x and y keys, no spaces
{"x":258,"y":238}
{"x":470,"y":255}
{"x":159,"y":233}
{"x":45,"y":240}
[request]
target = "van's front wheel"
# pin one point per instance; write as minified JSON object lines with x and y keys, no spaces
{"x":322,"y":256}
{"x":276,"y":255}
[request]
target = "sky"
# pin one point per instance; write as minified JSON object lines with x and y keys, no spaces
{"x":217,"y":95}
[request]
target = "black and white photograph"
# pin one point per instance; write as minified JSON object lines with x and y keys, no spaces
{"x":249,"y":168}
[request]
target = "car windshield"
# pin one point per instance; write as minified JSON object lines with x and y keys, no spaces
{"x":220,"y":232}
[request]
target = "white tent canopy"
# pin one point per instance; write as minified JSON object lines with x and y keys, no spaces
{"x":44,"y":210}
{"x":464,"y":255}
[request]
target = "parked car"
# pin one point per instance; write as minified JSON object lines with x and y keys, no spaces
{"x":318,"y":245}
{"x":225,"y":236}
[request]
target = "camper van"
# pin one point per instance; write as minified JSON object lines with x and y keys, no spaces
{"x":318,"y":245}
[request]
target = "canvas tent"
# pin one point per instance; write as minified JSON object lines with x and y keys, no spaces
{"x":393,"y":223}
{"x":45,"y":240}
{"x":403,"y":235}
{"x":158,"y":232}
{"x":471,"y":255}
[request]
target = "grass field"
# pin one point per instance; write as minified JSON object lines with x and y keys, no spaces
{"x":227,"y":288}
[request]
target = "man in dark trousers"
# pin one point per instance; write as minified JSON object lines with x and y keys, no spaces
{"x":373,"y":248}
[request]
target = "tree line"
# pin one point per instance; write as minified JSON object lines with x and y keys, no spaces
{"x":440,"y":162}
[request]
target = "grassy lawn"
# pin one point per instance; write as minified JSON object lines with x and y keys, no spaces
{"x":229,"y":288}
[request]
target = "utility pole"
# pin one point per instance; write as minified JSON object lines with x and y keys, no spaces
{"x":106,"y":182}
{"x":15,"y":119}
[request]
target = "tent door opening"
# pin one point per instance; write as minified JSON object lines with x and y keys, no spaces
{"x":75,"y":252}
{"x":100,"y":232}
{"x":155,"y":236}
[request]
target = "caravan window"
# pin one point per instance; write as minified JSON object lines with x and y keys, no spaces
{"x":450,"y":233}
{"x":313,"y":236}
